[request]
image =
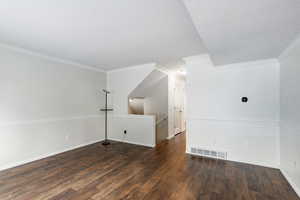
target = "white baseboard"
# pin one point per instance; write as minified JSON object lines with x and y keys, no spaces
{"x":130,"y":142}
{"x":46,"y":155}
{"x":291,"y":182}
{"x":170,"y":137}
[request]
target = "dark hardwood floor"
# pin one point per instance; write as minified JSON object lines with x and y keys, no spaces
{"x":123,"y":171}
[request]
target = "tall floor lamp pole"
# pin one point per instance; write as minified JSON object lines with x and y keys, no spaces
{"x":106,"y":142}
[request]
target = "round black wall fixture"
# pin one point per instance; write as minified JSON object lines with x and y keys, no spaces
{"x":244,"y":99}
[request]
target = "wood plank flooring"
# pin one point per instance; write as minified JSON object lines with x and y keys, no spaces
{"x":123,"y":171}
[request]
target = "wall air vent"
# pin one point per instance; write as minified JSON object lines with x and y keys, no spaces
{"x":209,"y":153}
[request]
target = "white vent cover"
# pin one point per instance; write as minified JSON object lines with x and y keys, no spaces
{"x":209,"y":153}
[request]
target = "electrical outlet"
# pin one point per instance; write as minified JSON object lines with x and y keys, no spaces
{"x":125,"y":132}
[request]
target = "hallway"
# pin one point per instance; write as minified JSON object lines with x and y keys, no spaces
{"x":125,"y":171}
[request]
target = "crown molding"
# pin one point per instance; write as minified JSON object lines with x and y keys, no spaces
{"x":51,"y":58}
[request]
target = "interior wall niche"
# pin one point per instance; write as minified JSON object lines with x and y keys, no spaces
{"x":136,"y":106}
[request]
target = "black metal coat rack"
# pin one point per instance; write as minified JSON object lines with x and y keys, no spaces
{"x":106,"y":109}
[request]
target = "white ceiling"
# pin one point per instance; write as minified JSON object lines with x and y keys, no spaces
{"x":112,"y":34}
{"x":245,"y":30}
{"x":103,"y":33}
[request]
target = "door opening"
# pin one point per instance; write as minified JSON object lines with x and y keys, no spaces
{"x":179,"y":104}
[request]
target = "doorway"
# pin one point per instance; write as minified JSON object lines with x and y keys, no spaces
{"x":179,"y":102}
{"x":179,"y":109}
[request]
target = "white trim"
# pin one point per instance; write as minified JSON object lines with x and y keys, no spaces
{"x":52,"y":58}
{"x":129,"y":142}
{"x":162,"y":119}
{"x":47,"y":155}
{"x":291,"y":182}
{"x":170,"y":137}
{"x":49,"y":120}
{"x":132,"y":67}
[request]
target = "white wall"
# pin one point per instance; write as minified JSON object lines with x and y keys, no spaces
{"x":156,"y":100}
{"x":140,"y":129}
{"x":290,"y":114}
{"x":218,"y":120}
{"x":46,"y":106}
{"x":175,"y":81}
{"x":136,"y":106}
{"x":122,"y":82}
{"x":171,"y":104}
{"x":154,"y":90}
